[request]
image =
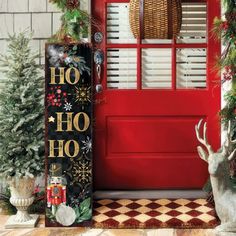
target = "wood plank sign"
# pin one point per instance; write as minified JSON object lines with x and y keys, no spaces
{"x":68,"y":135}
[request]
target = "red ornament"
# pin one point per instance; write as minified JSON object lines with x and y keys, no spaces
{"x":227,"y":75}
{"x":225,"y":25}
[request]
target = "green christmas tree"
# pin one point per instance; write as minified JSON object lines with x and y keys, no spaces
{"x":21,"y":111}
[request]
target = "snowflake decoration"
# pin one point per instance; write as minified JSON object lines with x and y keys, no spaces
{"x":67,"y":106}
{"x":82,"y":172}
{"x":87,"y":145}
{"x":82,"y":94}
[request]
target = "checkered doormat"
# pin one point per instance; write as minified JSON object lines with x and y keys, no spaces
{"x":161,"y":213}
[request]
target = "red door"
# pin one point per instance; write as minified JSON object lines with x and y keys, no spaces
{"x":155,"y":91}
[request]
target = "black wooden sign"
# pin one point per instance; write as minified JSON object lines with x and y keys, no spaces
{"x":68,"y":134}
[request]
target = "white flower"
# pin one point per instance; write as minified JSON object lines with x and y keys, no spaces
{"x":67,"y":106}
{"x":68,"y":60}
{"x":61,"y":54}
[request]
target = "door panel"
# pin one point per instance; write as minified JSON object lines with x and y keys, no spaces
{"x":155,"y":91}
{"x":158,"y":135}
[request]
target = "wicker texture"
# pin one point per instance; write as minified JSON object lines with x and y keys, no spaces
{"x":157,"y":21}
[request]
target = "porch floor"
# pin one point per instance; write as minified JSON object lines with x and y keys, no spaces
{"x":42,"y":231}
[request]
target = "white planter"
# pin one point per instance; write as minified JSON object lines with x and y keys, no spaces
{"x":21,"y":197}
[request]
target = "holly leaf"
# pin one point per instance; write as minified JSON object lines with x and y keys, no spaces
{"x":77,"y":212}
{"x":87,"y":215}
{"x":49,"y":215}
{"x":85,"y":205}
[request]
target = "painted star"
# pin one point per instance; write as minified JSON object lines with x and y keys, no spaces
{"x":51,"y":119}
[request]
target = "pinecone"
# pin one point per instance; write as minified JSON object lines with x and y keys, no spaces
{"x":72,"y":4}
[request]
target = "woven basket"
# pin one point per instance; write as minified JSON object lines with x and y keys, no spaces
{"x":162,"y":19}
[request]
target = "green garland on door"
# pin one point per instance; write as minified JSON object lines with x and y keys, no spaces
{"x":225,"y":29}
{"x":75,"y":22}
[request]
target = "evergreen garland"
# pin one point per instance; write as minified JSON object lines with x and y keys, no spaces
{"x":21,"y":111}
{"x":75,"y":22}
{"x":225,"y":29}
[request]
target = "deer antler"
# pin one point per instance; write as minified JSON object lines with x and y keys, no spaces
{"x":203,"y":140}
{"x":228,"y":144}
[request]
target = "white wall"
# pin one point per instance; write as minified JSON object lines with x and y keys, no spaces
{"x":40,"y":16}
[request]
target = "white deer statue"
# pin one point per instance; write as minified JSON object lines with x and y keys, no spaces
{"x":218,"y":167}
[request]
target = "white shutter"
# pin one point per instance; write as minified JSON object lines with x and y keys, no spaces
{"x":118,"y":28}
{"x":156,"y":68}
{"x":191,"y":68}
{"x":193,"y":30}
{"x":122,"y":68}
{"x":194,"y":23}
{"x":156,"y":62}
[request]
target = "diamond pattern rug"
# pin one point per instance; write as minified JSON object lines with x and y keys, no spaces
{"x":161,"y":213}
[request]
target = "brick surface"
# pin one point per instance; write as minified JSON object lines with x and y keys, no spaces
{"x":41,"y":25}
{"x":22,"y":22}
{"x":3,"y":6}
{"x":37,"y":6}
{"x":18,"y":5}
{"x":6,"y":25}
{"x":56,"y":22}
